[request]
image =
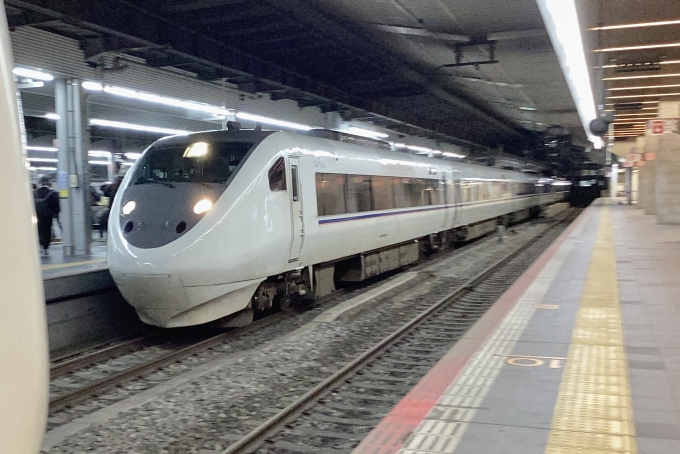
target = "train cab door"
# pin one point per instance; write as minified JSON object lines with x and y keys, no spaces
{"x":297,"y":220}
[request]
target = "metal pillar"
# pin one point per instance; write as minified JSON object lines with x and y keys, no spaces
{"x":73,"y":179}
{"x":614,"y":181}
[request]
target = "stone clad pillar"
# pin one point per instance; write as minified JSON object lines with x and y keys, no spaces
{"x":668,"y":179}
{"x":650,"y":176}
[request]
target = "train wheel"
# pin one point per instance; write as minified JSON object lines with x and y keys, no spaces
{"x":264,"y":296}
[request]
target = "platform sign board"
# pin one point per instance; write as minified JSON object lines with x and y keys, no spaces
{"x":662,"y":126}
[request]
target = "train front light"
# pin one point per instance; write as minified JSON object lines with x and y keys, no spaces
{"x":129,"y":207}
{"x":202,"y":206}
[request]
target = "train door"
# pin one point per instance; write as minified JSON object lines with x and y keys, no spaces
{"x":297,"y":227}
{"x":445,"y":200}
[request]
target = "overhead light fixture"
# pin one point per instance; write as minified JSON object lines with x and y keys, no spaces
{"x":99,"y":153}
{"x":641,"y":47}
{"x":42,"y":159}
{"x":625,"y":65}
{"x":157,"y":99}
{"x":643,"y":96}
{"x":41,"y":148}
{"x":562,"y":23}
{"x":136,"y":127}
{"x":399,"y":145}
{"x":272,"y":121}
{"x":645,"y":87}
{"x":367,"y":133}
{"x":92,"y":86}
{"x":452,"y":155}
{"x":52,"y":116}
{"x":637,"y":25}
{"x":133,"y":156}
{"x":649,"y":76}
{"x":98,"y":163}
{"x":32,"y":74}
{"x":530,"y":109}
{"x":634,"y":114}
{"x":419,"y":149}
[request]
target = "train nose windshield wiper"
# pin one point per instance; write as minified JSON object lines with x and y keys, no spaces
{"x":164,"y":183}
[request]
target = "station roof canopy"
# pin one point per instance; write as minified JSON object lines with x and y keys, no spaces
{"x":481,"y":71}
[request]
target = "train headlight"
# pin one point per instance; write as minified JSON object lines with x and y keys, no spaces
{"x":202,"y":206}
{"x":129,"y":207}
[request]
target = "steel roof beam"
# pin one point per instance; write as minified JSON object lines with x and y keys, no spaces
{"x":146,"y":29}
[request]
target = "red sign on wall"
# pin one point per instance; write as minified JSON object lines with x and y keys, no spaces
{"x":665,"y":126}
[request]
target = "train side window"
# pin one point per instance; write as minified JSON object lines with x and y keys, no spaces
{"x":359,"y":196}
{"x":383,"y":195}
{"x":330,"y":194}
{"x":277,"y":176}
{"x":294,"y":182}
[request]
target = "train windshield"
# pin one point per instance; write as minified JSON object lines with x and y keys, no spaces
{"x":196,"y":162}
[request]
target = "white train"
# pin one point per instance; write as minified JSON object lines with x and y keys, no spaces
{"x":222,"y":223}
{"x":24,"y":364}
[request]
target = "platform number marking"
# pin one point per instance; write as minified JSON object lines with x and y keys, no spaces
{"x":534,"y":361}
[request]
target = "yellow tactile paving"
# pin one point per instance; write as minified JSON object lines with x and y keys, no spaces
{"x":593,"y":413}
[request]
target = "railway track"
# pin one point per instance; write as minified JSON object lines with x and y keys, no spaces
{"x":336,"y":414}
{"x":153,"y":352}
{"x":97,"y":386}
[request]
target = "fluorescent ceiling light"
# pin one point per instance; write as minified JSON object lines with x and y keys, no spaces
{"x":42,"y":148}
{"x":645,"y":87}
{"x":128,"y":164}
{"x":367,"y":133}
{"x":561,"y":20}
{"x":453,"y":155}
{"x":52,"y":116}
{"x":420,"y":149}
{"x":173,"y":102}
{"x":643,"y":96}
{"x":531,"y":109}
{"x":641,"y":47}
{"x":650,"y":76}
{"x":43,"y":159}
{"x":638,"y":25}
{"x":92,"y":86}
{"x":272,"y":121}
{"x":43,"y":168}
{"x":399,"y":145}
{"x":135,"y":127}
{"x":32,"y":74}
{"x":133,"y":156}
{"x":99,"y":153}
{"x":98,"y":163}
{"x":624,"y":65}
{"x":635,"y":114}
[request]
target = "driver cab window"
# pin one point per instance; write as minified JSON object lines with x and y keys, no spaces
{"x":277,"y":176}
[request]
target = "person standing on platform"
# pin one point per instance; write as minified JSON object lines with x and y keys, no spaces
{"x":46,"y":208}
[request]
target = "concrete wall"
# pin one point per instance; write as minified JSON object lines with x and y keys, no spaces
{"x":668,"y":180}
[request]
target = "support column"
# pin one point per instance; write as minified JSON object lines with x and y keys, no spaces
{"x":613,"y":181}
{"x":73,"y":179}
{"x":668,"y":180}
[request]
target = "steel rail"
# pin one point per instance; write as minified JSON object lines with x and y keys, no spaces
{"x":257,"y":436}
{"x":61,"y":368}
{"x":95,"y":388}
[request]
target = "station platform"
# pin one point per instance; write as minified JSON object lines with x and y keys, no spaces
{"x":581,"y":355}
{"x":56,"y":264}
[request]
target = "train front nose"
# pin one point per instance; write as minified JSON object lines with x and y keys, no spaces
{"x":156,"y":298}
{"x":155,"y":215}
